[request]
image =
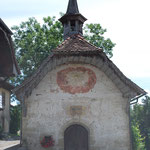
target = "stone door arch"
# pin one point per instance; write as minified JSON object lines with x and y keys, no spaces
{"x":76,"y":138}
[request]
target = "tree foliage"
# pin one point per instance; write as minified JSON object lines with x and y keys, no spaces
{"x":15,"y":115}
{"x":140,"y":120}
{"x":34,"y":42}
{"x":138,"y":140}
{"x":145,"y":121}
{"x":94,"y":34}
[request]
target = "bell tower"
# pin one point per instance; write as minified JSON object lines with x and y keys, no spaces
{"x":72,"y":21}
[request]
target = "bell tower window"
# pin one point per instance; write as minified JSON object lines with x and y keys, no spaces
{"x":72,"y":21}
{"x":65,"y":25}
{"x":73,"y":25}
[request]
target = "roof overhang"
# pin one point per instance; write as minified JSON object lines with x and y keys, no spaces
{"x":4,"y":27}
{"x":66,"y":17}
{"x":8,"y":63}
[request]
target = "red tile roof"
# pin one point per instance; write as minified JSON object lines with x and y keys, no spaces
{"x":76,"y":44}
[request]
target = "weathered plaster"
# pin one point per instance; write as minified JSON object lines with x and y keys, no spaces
{"x":104,"y":113}
{"x":76,"y":80}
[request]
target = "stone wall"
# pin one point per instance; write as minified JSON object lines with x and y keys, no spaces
{"x":77,"y":94}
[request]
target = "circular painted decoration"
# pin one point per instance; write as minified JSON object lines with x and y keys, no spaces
{"x":76,"y":80}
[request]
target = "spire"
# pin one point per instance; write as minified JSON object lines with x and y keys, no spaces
{"x":72,"y":7}
{"x":72,"y":21}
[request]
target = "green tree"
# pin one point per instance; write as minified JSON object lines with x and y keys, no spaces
{"x":140,"y":120}
{"x":34,"y":42}
{"x":15,"y":115}
{"x":145,"y":123}
{"x":94,"y":34}
{"x":138,"y":140}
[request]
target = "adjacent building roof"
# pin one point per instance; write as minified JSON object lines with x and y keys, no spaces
{"x":8,"y":63}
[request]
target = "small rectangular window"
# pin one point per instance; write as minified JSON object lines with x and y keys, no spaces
{"x":73,"y":25}
{"x":1,"y":105}
{"x":2,"y":100}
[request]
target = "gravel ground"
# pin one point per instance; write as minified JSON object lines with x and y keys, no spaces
{"x":4,"y":145}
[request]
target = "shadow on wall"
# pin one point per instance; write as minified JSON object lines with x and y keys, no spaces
{"x":16,"y":147}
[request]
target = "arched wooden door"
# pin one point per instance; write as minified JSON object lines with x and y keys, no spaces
{"x":76,"y":138}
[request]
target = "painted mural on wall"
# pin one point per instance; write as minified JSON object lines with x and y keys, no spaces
{"x":76,"y":80}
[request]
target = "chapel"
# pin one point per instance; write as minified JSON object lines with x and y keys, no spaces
{"x":78,"y":99}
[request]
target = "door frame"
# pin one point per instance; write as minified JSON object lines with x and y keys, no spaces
{"x":83,"y":126}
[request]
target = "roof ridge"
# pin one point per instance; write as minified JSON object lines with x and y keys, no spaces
{"x":79,"y":37}
{"x":5,"y":27}
{"x":64,"y":42}
{"x":91,"y":44}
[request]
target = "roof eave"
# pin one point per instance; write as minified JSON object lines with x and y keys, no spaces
{"x":72,"y":17}
{"x":5,"y":27}
{"x":9,"y":47}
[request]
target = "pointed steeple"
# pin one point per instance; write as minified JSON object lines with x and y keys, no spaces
{"x":72,"y":21}
{"x":72,"y":7}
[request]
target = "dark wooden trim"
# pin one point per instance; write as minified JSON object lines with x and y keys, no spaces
{"x":78,"y":132}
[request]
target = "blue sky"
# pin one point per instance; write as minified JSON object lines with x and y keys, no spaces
{"x":127,"y":23}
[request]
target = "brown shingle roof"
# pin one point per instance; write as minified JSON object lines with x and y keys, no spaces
{"x":76,"y":44}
